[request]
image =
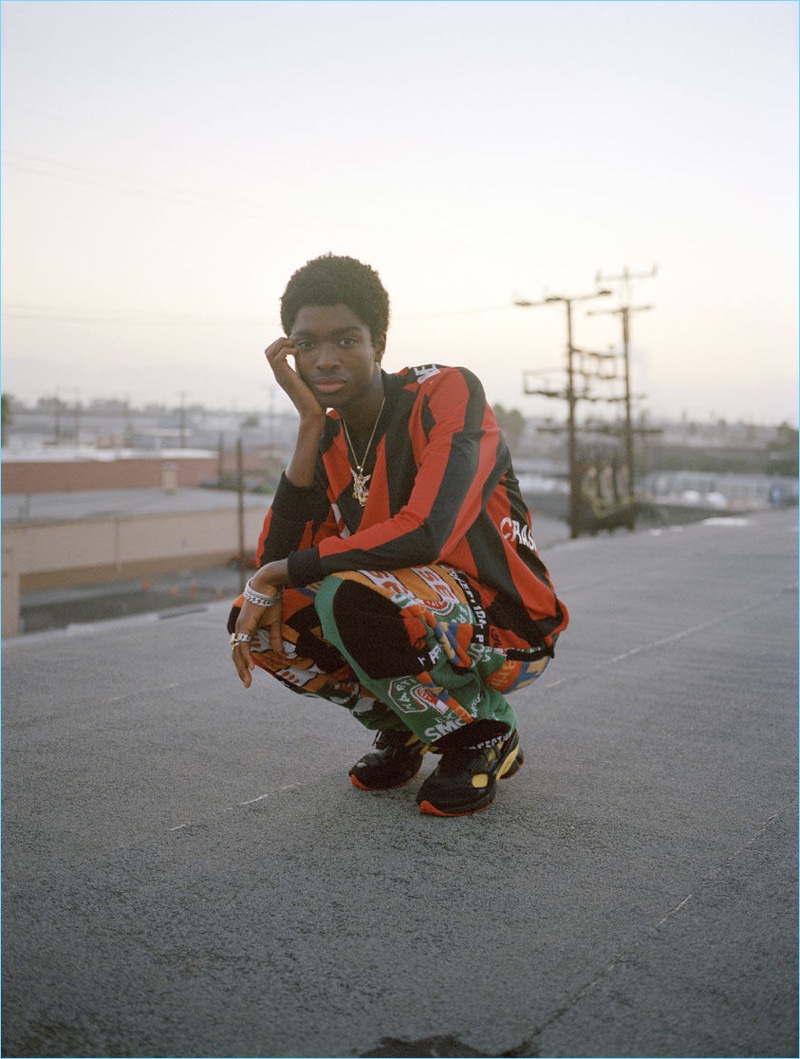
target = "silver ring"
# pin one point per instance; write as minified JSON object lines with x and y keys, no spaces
{"x":240,"y":637}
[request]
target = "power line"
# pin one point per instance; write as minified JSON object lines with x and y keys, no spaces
{"x":68,"y":172}
{"x":132,"y":317}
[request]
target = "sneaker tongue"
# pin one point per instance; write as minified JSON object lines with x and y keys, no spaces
{"x":487,"y":744}
{"x":481,"y":735}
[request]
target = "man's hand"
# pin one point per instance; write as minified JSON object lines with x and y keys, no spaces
{"x":301,"y":467}
{"x":289,"y":379}
{"x":251,"y":619}
{"x":267,"y":580}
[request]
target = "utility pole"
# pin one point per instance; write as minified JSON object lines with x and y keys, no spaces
{"x":220,"y":459}
{"x":240,"y":511}
{"x":57,"y":410}
{"x":624,"y":311}
{"x":571,"y":396}
{"x":182,"y":421}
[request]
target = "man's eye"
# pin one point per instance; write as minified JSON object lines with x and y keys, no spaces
{"x":303,"y":345}
{"x":347,"y":342}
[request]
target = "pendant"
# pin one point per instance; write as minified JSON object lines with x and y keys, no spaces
{"x":360,"y":490}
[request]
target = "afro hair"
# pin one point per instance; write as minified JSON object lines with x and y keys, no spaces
{"x":335,"y":280}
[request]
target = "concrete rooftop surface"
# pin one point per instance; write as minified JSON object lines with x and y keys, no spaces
{"x":189,"y":872}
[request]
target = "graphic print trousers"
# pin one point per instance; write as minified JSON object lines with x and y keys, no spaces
{"x":406,"y":649}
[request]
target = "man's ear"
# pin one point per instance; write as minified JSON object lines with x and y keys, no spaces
{"x":380,"y":347}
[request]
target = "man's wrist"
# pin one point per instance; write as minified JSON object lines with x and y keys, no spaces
{"x":262,"y":599}
{"x":304,"y":566}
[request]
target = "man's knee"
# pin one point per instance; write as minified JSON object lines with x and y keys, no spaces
{"x":374,"y":632}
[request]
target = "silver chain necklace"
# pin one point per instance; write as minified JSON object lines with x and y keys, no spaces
{"x":360,"y":480}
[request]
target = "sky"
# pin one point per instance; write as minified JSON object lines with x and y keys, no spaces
{"x":166,"y":166}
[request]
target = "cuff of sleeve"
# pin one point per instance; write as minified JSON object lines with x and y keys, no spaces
{"x":305,"y":567}
{"x":292,"y":500}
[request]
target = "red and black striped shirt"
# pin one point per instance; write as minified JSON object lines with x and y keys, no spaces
{"x":442,"y":490}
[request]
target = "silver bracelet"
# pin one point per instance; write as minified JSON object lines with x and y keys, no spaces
{"x":252,"y":595}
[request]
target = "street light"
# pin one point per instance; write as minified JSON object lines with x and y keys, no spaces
{"x":574,"y":484}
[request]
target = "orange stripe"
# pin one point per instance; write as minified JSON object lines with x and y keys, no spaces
{"x":442,"y":637}
{"x":450,"y":702}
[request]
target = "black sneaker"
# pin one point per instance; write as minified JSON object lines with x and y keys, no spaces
{"x":396,"y":759}
{"x":465,"y":780}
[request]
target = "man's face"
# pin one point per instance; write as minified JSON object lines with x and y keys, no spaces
{"x":336,"y":355}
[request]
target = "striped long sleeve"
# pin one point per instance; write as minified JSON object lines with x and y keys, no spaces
{"x":442,"y":489}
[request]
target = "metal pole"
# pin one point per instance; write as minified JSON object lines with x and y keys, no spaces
{"x":628,"y":422}
{"x":572,"y":400}
{"x":574,"y":484}
{"x":625,"y":310}
{"x":240,"y":489}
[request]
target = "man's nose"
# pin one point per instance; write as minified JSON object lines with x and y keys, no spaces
{"x":328,"y":356}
